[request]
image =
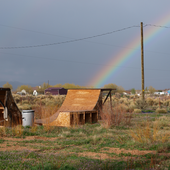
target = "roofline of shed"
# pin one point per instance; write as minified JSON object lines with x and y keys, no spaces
{"x":5,"y":89}
{"x":102,"y":89}
{"x":79,"y":111}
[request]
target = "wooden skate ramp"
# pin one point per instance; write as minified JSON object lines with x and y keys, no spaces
{"x":80,"y":100}
{"x":14,"y":116}
{"x":77,"y":100}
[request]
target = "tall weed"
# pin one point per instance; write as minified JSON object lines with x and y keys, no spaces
{"x":114,"y":116}
{"x":147,"y":134}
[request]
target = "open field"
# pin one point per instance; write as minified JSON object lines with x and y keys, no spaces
{"x":141,"y":143}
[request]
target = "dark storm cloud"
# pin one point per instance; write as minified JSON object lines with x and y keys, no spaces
{"x":36,"y":22}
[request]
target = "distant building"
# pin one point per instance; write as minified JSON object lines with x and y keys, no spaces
{"x":56,"y":91}
{"x":160,"y":93}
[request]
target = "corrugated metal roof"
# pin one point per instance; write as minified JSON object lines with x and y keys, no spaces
{"x":54,"y":88}
{"x":80,"y":100}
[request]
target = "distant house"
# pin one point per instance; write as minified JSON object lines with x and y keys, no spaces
{"x":160,"y":93}
{"x":56,"y":91}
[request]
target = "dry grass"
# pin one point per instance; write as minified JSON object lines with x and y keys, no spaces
{"x":147,"y":134}
{"x":137,"y":111}
{"x":158,"y":110}
{"x":2,"y":131}
{"x":114,"y":116}
{"x":17,"y":130}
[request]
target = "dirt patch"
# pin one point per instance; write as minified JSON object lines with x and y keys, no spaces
{"x":4,"y":147}
{"x":30,"y":138}
{"x":132,"y":152}
{"x":93,"y":155}
{"x":18,"y":139}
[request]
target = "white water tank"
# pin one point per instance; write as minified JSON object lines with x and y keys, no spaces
{"x":27,"y":117}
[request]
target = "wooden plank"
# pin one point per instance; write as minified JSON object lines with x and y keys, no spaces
{"x":80,"y":100}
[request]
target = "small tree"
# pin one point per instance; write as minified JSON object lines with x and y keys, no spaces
{"x":151,"y":90}
{"x":27,"y":88}
{"x":120,"y":89}
{"x":133,"y":91}
{"x":42,"y":88}
{"x":7,"y":85}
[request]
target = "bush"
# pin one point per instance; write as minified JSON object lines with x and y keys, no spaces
{"x":150,"y":101}
{"x":114,"y":116}
{"x":141,"y":104}
{"x":131,"y":107}
{"x":161,"y":110}
{"x":25,"y":107}
{"x":137,"y":111}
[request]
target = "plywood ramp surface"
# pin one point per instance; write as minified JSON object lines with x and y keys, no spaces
{"x":80,"y":100}
{"x":75,"y":101}
{"x":47,"y":120}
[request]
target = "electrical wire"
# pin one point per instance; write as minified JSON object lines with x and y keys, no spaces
{"x":39,"y":32}
{"x":153,"y":25}
{"x":70,"y":41}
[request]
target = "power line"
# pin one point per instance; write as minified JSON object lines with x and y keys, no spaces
{"x":39,"y":32}
{"x":74,"y":40}
{"x":153,"y":25}
{"x":69,"y":41}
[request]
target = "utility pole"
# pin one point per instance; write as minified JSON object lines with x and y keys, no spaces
{"x":142,"y":62}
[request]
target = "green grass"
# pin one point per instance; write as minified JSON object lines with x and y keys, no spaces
{"x":63,"y":151}
{"x":2,"y":140}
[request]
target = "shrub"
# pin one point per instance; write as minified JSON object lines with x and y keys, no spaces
{"x":131,"y":107}
{"x":24,"y":107}
{"x":150,"y":101}
{"x":149,"y":135}
{"x":141,"y":104}
{"x":114,"y":117}
{"x":124,"y":101}
{"x":117,"y":95}
{"x":2,"y":131}
{"x":120,"y":108}
{"x":161,"y":110}
{"x":137,"y":111}
{"x":166,"y":103}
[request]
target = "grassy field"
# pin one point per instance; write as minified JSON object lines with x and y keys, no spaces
{"x":143,"y":142}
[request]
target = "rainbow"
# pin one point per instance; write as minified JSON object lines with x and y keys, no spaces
{"x":125,"y":55}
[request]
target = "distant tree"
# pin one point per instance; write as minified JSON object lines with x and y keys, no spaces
{"x":42,"y":88}
{"x":72,"y":86}
{"x":7,"y":85}
{"x":27,"y":88}
{"x":58,"y":85}
{"x":110,"y":86}
{"x":69,"y":86}
{"x":119,"y":89}
{"x":151,"y":89}
{"x":133,"y":91}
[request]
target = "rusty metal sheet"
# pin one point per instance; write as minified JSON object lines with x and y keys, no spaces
{"x":80,"y":100}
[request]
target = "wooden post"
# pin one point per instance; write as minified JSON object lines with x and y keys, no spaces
{"x":111,"y":99}
{"x":142,"y":61}
{"x":84,"y":117}
{"x":90,"y":117}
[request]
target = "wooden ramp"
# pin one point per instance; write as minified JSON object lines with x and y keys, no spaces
{"x":80,"y":100}
{"x":13,"y":116}
{"x":77,"y":100}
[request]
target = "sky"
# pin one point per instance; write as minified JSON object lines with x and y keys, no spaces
{"x":38,"y":22}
